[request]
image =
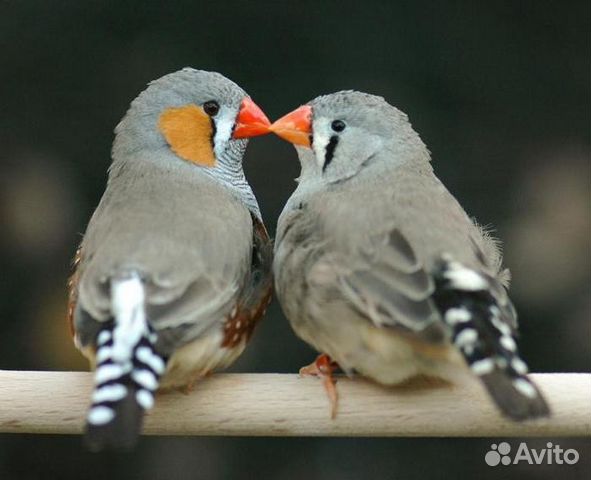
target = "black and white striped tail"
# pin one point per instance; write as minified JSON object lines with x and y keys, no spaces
{"x":127,"y":371}
{"x":482,"y":319}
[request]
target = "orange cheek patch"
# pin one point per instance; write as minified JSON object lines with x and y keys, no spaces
{"x":188,"y":131}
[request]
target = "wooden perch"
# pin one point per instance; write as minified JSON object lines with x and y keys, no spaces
{"x":286,"y":405}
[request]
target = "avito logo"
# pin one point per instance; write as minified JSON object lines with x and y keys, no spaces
{"x":553,"y":454}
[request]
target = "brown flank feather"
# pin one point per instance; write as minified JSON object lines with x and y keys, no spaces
{"x":257,"y":293}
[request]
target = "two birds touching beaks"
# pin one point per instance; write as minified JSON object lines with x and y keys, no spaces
{"x":375,"y":263}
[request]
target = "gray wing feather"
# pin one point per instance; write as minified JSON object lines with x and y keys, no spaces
{"x":391,"y":287}
{"x":374,"y":241}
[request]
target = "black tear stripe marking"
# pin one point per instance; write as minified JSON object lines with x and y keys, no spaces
{"x":330,"y":148}
{"x":214,"y":130}
{"x":480,"y":320}
{"x":116,"y":415}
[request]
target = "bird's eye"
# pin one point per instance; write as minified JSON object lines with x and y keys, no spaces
{"x":211,"y":108}
{"x":338,"y":125}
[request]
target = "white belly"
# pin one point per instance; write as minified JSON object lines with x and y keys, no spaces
{"x":197,"y":359}
{"x":379,"y":353}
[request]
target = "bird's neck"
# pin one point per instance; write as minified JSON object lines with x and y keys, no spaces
{"x":163,"y":164}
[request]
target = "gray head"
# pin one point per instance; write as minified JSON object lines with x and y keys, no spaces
{"x":190,"y":116}
{"x":337,"y":135}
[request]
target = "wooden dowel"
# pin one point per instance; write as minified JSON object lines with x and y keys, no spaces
{"x":286,"y":405}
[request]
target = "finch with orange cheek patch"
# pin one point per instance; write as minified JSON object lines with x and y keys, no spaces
{"x":173,"y":272}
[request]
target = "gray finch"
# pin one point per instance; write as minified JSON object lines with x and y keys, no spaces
{"x":174,"y":268}
{"x":378,"y":266}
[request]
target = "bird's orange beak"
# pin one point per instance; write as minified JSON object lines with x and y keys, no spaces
{"x":295,"y":127}
{"x":251,"y":120}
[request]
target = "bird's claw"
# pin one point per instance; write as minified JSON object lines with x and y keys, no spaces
{"x":323,"y":367}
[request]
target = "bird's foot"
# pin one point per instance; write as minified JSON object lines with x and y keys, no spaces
{"x":323,"y":367}
{"x":189,"y":387}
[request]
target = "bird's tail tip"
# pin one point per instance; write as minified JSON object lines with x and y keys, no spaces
{"x":482,"y":321}
{"x":124,"y":391}
{"x":517,"y":397}
{"x":115,"y":426}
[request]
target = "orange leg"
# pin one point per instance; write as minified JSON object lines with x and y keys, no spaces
{"x":323,"y":367}
{"x":189,"y":387}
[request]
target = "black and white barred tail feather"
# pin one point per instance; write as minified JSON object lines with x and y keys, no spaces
{"x":482,"y":319}
{"x":127,"y":371}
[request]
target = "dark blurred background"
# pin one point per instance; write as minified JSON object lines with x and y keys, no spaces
{"x":499,"y":91}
